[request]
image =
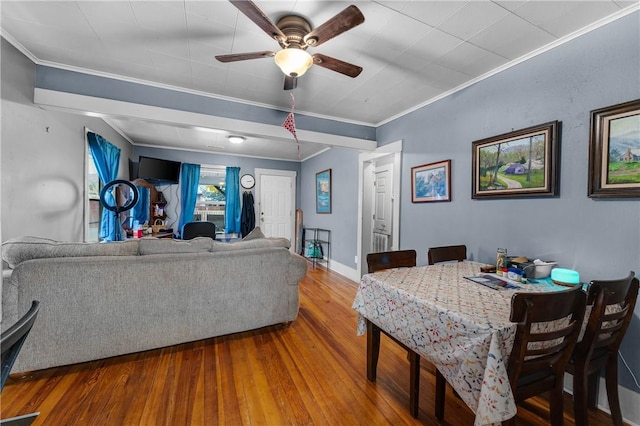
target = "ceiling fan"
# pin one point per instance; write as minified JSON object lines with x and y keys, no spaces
{"x":294,"y":35}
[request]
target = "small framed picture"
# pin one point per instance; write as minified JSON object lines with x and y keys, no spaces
{"x":431,"y":182}
{"x":519,"y":164}
{"x":614,"y":151}
{"x":323,"y":191}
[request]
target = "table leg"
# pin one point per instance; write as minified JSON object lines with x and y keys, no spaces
{"x":414,"y":383}
{"x":441,"y":388}
{"x":373,"y":350}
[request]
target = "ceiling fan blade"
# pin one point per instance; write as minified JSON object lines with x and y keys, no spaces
{"x":290,"y":83}
{"x":233,"y":57}
{"x":343,"y":21}
{"x":254,"y":13}
{"x":337,"y":65}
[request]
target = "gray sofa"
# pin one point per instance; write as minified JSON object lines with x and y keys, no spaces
{"x":102,"y":300}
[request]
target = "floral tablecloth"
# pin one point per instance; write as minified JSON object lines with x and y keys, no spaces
{"x":460,"y":326}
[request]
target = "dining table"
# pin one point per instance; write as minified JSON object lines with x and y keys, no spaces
{"x":459,"y":325}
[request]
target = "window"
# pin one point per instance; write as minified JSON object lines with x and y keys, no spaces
{"x":94,"y":208}
{"x":210,"y":204}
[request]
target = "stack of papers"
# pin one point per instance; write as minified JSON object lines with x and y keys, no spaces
{"x":492,"y":281}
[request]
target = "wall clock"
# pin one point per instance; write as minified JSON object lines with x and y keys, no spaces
{"x":247,"y":181}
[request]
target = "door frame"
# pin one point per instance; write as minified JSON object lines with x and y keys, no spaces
{"x":365,"y":205}
{"x":292,"y":174}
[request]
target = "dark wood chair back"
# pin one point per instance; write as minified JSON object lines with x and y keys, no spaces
{"x":12,"y":339}
{"x":539,"y":357}
{"x":391,"y":259}
{"x":446,"y":253}
{"x":612,"y":305}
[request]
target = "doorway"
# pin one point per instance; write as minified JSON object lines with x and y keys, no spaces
{"x":275,"y":207}
{"x":379,"y":202}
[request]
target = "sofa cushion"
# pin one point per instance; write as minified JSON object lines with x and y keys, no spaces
{"x":250,"y":244}
{"x":255,"y":234}
{"x":17,"y":250}
{"x":151,"y":245}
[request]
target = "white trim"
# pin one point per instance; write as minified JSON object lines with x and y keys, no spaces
{"x":140,"y":81}
{"x":394,"y":148}
{"x":604,"y":21}
{"x":346,"y":271}
{"x":82,"y":104}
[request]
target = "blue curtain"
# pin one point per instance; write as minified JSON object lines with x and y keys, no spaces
{"x":232,"y":210}
{"x":189,"y":180}
{"x":141,"y":209}
{"x":106,"y":158}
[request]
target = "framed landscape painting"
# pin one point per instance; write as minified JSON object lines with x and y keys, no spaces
{"x":323,"y":191}
{"x":520,"y":164}
{"x":431,"y":182}
{"x":614,"y":151}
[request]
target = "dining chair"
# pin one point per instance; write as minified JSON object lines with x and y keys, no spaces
{"x":192,"y":230}
{"x":540,"y":355}
{"x":391,"y":259}
{"x":612,"y":303}
{"x":377,"y":262}
{"x":446,"y":253}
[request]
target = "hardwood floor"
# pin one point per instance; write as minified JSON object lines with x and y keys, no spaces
{"x":311,"y":372}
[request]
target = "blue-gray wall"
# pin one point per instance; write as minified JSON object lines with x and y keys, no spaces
{"x":343,"y":220}
{"x":246,"y":164}
{"x":103,"y":87}
{"x":599,"y":238}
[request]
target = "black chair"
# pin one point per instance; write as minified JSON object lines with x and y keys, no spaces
{"x":598,"y":348}
{"x":538,"y":358}
{"x":10,"y":343}
{"x":446,"y":253}
{"x":377,"y":262}
{"x":192,"y":230}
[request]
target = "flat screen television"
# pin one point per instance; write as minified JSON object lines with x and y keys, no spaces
{"x":157,"y":171}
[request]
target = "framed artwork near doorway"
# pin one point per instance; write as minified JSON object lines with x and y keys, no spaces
{"x":431,"y":182}
{"x":323,"y":191}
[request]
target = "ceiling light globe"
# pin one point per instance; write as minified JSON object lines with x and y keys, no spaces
{"x":293,"y":62}
{"x":236,"y":139}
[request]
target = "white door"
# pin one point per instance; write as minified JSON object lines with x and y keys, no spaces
{"x":383,"y":200}
{"x":276,"y":206}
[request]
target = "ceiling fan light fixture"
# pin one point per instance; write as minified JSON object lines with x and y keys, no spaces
{"x":293,"y":62}
{"x":236,"y":139}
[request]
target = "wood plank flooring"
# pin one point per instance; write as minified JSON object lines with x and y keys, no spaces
{"x":312,"y":372}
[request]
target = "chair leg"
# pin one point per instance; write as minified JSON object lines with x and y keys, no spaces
{"x":593,"y":384}
{"x":414,"y":383}
{"x":611,"y":378}
{"x":556,"y":405}
{"x":580,"y":390}
{"x":441,"y":389}
{"x":373,"y":350}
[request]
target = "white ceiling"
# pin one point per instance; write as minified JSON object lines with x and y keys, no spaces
{"x":411,"y":52}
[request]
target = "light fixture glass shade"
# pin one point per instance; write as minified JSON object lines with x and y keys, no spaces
{"x":293,"y":61}
{"x":236,"y":139}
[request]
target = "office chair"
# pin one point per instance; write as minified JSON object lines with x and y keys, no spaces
{"x":11,"y":342}
{"x":192,"y":230}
